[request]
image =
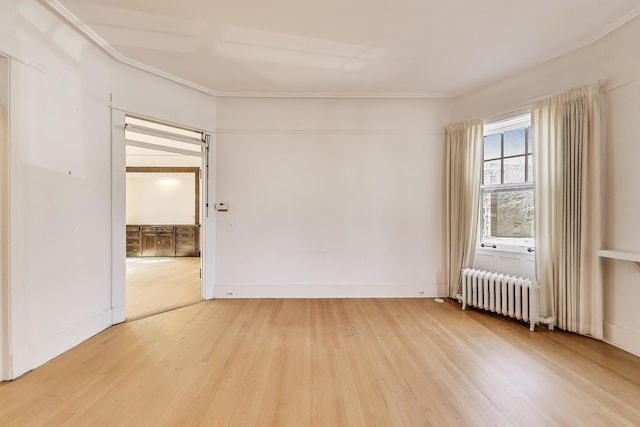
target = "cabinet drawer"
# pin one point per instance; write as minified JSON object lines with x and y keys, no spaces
{"x":185,"y":231}
{"x":133,"y":228}
{"x":163,"y":229}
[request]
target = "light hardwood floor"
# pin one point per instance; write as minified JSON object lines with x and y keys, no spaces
{"x":385,"y":362}
{"x":155,"y":284}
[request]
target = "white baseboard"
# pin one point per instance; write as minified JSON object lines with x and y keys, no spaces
{"x":53,"y":346}
{"x":327,"y":291}
{"x":623,"y":338}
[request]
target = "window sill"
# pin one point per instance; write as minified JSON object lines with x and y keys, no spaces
{"x":526,"y":246}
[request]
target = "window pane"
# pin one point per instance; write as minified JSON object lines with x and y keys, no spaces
{"x":530,"y":147}
{"x":514,"y":142}
{"x":492,"y":172}
{"x":492,"y":148}
{"x":530,"y":168}
{"x":514,"y":170}
{"x":508,"y":213}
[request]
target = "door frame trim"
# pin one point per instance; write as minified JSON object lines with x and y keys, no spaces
{"x":118,"y":219}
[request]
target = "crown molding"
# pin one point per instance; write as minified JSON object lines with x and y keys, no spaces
{"x":101,"y":43}
{"x":84,"y":29}
{"x":632,"y":14}
{"x":573,"y":47}
{"x":335,"y":95}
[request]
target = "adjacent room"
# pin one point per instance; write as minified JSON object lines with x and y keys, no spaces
{"x":319,"y":213}
{"x":163,"y":215}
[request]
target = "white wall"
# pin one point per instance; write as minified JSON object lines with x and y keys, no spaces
{"x":330,"y":198}
{"x":59,"y":193}
{"x":507,"y":262}
{"x":614,"y":62}
{"x":622,"y":227}
{"x":161,"y":198}
{"x":67,"y":178}
{"x":59,"y":216}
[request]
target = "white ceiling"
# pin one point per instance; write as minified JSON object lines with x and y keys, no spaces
{"x":348,"y":47}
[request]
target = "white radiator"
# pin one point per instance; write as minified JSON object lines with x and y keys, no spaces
{"x":511,"y":296}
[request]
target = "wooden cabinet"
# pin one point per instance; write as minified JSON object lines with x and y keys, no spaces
{"x":187,"y":240}
{"x":134,"y":240}
{"x":163,"y":240}
{"x":157,"y":240}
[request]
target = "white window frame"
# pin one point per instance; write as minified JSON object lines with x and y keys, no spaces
{"x":506,"y":244}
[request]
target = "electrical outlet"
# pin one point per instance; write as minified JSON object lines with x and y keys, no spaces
{"x":229,"y":294}
{"x":420,"y":292}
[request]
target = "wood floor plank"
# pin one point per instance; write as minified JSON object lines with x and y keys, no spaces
{"x":157,"y":283}
{"x":342,"y":362}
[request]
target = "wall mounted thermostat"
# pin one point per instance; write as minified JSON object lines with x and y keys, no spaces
{"x":222,"y":207}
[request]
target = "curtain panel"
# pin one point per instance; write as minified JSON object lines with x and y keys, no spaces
{"x":463,"y":180}
{"x":567,"y":192}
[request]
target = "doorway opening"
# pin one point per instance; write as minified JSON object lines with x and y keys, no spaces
{"x":165,"y":190}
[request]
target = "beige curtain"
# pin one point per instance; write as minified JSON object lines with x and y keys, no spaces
{"x":567,"y":191}
{"x":464,"y":168}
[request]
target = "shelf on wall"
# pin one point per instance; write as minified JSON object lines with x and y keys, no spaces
{"x":621,"y":255}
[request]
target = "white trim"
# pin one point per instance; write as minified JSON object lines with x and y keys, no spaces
{"x":55,"y":345}
{"x":406,"y":290}
{"x":573,"y":47}
{"x":101,"y":43}
{"x":84,"y":29}
{"x":507,"y":124}
{"x":508,"y":244}
{"x":326,"y":132}
{"x":118,"y":217}
{"x":633,"y":13}
{"x":334,"y":95}
{"x":208,"y":242}
{"x":620,"y":83}
{"x":5,"y":341}
{"x":94,"y":37}
{"x":623,"y":338}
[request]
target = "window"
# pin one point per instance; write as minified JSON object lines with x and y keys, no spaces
{"x":507,"y":211}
